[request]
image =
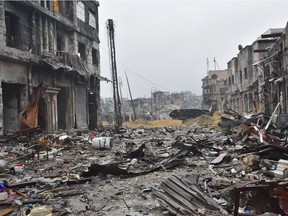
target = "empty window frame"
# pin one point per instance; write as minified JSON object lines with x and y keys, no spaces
{"x":12,"y":28}
{"x":245,"y":73}
{"x":95,"y":59}
{"x":60,"y":44}
{"x":66,"y":9}
{"x":81,"y":51}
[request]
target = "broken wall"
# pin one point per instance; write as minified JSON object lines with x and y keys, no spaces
{"x":13,"y":92}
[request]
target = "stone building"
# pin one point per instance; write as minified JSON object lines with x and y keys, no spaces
{"x":274,"y":68}
{"x":255,"y":81}
{"x":214,"y":87}
{"x":56,"y":42}
{"x":245,"y":75}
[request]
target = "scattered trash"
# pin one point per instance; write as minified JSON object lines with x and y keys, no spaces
{"x":41,"y":210}
{"x":189,"y":171}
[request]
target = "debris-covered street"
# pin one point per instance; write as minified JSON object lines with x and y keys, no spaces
{"x":185,"y":170}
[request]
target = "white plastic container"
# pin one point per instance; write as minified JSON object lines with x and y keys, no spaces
{"x":102,"y":142}
{"x":19,"y":169}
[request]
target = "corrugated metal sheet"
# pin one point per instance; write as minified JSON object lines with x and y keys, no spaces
{"x":179,"y":198}
{"x":71,"y":62}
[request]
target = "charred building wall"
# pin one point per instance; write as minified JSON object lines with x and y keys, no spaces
{"x":257,"y":76}
{"x":56,"y":42}
{"x":244,"y":79}
{"x":232,"y":93}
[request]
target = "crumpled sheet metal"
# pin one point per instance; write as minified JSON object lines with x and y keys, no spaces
{"x":180,"y":199}
{"x":28,"y":118}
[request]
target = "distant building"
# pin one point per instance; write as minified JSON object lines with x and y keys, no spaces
{"x":214,"y":87}
{"x":157,"y":107}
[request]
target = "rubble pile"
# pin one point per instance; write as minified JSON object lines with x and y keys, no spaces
{"x":237,"y":170}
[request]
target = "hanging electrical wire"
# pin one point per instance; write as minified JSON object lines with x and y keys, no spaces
{"x":134,"y":72}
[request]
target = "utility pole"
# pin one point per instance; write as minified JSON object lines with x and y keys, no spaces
{"x":215,"y":64}
{"x":116,"y":97}
{"x":121,"y":98}
{"x":135,"y":117}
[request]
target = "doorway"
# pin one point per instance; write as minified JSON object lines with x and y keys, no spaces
{"x":11,"y":94}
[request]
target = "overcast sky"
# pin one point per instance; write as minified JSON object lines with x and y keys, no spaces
{"x":164,"y":45}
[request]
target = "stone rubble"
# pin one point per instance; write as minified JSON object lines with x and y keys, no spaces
{"x":229,"y":169}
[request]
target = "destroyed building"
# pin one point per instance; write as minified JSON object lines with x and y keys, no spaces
{"x":159,"y":106}
{"x":186,"y":99}
{"x":273,"y":66}
{"x":256,"y":77}
{"x":56,"y":42}
{"x":214,"y":87}
{"x":244,"y":76}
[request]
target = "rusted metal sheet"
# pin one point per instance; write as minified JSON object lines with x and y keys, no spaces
{"x":282,"y":195}
{"x":28,"y":118}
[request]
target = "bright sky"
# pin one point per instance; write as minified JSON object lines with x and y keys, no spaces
{"x":164,"y":45}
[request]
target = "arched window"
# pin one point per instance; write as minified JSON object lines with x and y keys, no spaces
{"x":81,"y":11}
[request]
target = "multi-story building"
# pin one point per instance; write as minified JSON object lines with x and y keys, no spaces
{"x":214,"y":89}
{"x":256,"y":77}
{"x":55,"y":42}
{"x":273,"y":66}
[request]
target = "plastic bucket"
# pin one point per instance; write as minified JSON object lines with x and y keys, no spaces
{"x":102,"y":142}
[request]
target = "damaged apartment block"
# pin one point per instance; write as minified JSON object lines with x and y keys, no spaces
{"x":55,"y":43}
{"x":255,"y":80}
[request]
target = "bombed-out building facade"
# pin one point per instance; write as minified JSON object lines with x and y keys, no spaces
{"x":214,"y":87}
{"x":257,"y":77}
{"x":54,"y":44}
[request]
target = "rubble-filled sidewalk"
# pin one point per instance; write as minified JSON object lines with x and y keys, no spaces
{"x":235,"y":170}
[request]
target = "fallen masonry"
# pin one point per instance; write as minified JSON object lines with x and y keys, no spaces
{"x":239,"y":169}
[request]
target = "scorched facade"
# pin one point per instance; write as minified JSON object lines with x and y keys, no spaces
{"x":55,"y":43}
